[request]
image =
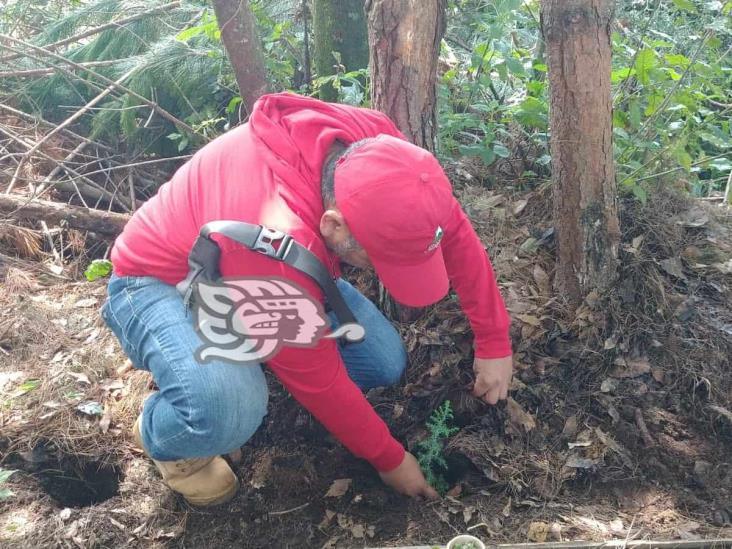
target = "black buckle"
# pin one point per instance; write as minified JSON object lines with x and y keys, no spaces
{"x":267,"y":237}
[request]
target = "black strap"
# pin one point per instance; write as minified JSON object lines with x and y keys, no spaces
{"x":203,"y":260}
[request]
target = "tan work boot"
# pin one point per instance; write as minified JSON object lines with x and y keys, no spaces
{"x":202,"y":481}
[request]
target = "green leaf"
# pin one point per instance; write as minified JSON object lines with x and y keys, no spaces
{"x":29,"y":385}
{"x":685,"y":5}
{"x":640,"y":193}
{"x":721,"y":164}
{"x":5,"y":474}
{"x":99,"y":268}
{"x":5,"y":493}
{"x":644,"y":63}
{"x":634,"y":113}
{"x":231,"y":107}
{"x":618,"y":75}
{"x":501,"y":150}
{"x":677,"y":59}
{"x":515,"y":66}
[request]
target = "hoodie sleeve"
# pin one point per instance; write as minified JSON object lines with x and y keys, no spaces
{"x":471,"y":275}
{"x":318,"y":379}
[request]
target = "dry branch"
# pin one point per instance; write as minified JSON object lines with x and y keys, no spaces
{"x":64,"y":124}
{"x":85,"y":219}
{"x":51,"y":70}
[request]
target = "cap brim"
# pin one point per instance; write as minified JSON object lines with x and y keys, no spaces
{"x":415,"y":285}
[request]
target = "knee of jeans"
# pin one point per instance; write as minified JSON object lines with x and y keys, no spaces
{"x":227,"y":420}
{"x":394,"y":365}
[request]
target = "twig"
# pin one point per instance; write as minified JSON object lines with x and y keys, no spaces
{"x":38,"y":120}
{"x":278,"y":513}
{"x":51,"y":70}
{"x":131,"y":182}
{"x":97,"y":30}
{"x":49,"y":238}
{"x":157,"y":108}
{"x":78,"y":114}
{"x":728,"y":190}
{"x":142,"y":163}
{"x":80,"y":147}
{"x":87,"y":181}
{"x":643,"y":428}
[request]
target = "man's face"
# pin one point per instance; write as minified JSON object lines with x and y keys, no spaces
{"x":340,"y":241}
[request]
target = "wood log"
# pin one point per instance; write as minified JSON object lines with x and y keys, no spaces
{"x":108,"y":224}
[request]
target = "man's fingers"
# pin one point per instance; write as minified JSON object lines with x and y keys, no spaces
{"x":491,"y":397}
{"x":429,"y":492}
{"x":504,"y":393}
{"x":481,"y":387}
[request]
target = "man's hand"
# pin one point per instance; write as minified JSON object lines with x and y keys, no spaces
{"x":492,"y":378}
{"x":408,"y":479}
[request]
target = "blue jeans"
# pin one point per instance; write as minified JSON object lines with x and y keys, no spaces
{"x":205,"y":410}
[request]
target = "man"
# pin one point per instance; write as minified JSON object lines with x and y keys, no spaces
{"x":344,"y":183}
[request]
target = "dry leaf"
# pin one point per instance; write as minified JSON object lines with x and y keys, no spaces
{"x":104,"y":422}
{"x":538,"y":532}
{"x":87,"y":302}
{"x":327,"y":519}
{"x":358,"y":531}
{"x":506,"y":511}
{"x":625,"y":368}
{"x":519,"y":206}
{"x":530,"y":320}
{"x":81,"y":378}
{"x":542,"y":280}
{"x":519,"y":419}
{"x":338,"y":488}
{"x":455,"y":491}
{"x":262,"y":468}
{"x":673,"y":267}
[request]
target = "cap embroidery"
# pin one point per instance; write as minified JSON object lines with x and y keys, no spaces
{"x":439,"y":233}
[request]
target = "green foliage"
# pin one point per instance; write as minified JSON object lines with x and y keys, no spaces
{"x":5,"y":474}
{"x":99,"y":268}
{"x":429,"y":451}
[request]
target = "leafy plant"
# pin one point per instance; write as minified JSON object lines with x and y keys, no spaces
{"x":5,"y":474}
{"x":430,"y":451}
{"x":99,"y":268}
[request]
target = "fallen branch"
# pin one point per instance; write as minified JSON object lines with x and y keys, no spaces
{"x":97,"y":30}
{"x":86,"y":219}
{"x":64,"y":124}
{"x":85,"y":181}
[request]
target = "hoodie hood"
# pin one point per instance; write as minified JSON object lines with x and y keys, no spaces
{"x":295,"y":133}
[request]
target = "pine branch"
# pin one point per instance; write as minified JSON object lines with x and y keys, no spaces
{"x":157,"y":108}
{"x":97,"y":30}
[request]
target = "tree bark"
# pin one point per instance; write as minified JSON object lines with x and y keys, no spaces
{"x":108,"y":224}
{"x":339,"y":26}
{"x":404,"y":44}
{"x":578,"y":51}
{"x":239,"y":35}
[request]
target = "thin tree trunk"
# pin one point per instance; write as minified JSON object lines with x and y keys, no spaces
{"x":239,"y":34}
{"x":404,"y":43}
{"x":339,"y":26}
{"x":578,"y":51}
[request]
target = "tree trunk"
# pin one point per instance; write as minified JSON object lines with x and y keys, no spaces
{"x":239,"y":34}
{"x":404,"y":43}
{"x":86,"y":219}
{"x":577,"y":35}
{"x":339,"y":26}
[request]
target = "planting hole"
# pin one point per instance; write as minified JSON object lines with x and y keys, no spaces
{"x":81,"y":486}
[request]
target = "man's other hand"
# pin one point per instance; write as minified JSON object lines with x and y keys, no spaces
{"x":408,"y":479}
{"x":492,"y":378}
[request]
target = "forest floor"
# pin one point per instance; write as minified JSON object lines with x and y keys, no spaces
{"x":618,"y":426}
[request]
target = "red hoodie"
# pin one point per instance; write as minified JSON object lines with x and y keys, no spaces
{"x":268,"y":172}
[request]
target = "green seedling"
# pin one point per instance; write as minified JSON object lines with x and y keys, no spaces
{"x":430,"y":451}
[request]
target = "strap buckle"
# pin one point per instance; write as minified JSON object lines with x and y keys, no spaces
{"x":267,"y":237}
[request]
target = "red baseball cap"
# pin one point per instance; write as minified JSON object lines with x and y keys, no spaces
{"x":396,"y":200}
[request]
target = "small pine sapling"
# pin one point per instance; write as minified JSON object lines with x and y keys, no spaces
{"x":429,"y":451}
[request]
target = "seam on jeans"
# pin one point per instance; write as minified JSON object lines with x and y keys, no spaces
{"x":186,"y":389}
{"x":110,"y":310}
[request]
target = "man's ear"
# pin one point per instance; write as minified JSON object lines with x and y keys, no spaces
{"x":332,"y":224}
